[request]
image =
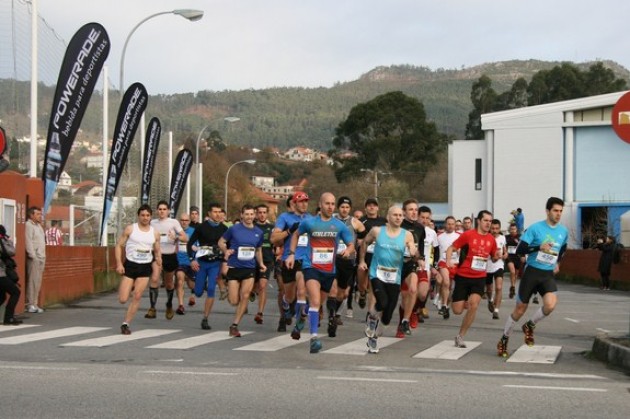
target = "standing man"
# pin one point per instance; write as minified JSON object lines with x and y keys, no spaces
{"x":243,"y":256}
{"x":477,"y":245}
{"x":53,"y":234}
{"x":35,"y":258}
{"x":142,"y":245}
{"x":513,"y":260}
{"x":385,"y":271}
{"x":544,"y":243}
{"x":170,"y":231}
{"x":318,"y":264}
{"x":206,"y":262}
{"x":519,"y":220}
{"x":262,"y":278}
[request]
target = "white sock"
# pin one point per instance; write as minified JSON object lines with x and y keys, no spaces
{"x":509,"y":326}
{"x":538,"y":315}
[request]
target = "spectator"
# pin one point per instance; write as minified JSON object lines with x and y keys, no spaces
{"x":7,"y":286}
{"x":519,"y":220}
{"x":606,"y":260}
{"x":53,"y":234}
{"x":35,"y":258}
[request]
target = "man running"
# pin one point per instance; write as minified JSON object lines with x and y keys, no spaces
{"x":495,"y":271}
{"x":318,"y":264}
{"x":445,"y":274}
{"x":544,"y":243}
{"x":142,"y":246}
{"x":385,"y":271}
{"x":194,"y":221}
{"x":431,"y":248}
{"x":513,"y":260}
{"x":476,"y":246}
{"x":371,"y":219}
{"x":183,"y":273}
{"x":262,"y":278}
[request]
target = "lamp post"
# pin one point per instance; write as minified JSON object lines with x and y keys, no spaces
{"x":199,"y":192}
{"x":190,"y":14}
{"x":375,"y":172}
{"x":227,"y":175}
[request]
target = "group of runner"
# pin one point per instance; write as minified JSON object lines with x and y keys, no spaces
{"x":323,"y":259}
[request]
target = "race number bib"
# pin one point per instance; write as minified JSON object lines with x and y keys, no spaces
{"x":163,"y":238}
{"x":511,"y":250}
{"x":323,"y":255}
{"x":341,"y":247}
{"x":246,"y":253}
{"x":303,"y":241}
{"x":386,"y":274}
{"x":454,"y":257}
{"x":370,"y":248}
{"x":479,"y":263}
{"x":205,"y":251}
{"x":547,"y":258}
{"x":142,"y":255}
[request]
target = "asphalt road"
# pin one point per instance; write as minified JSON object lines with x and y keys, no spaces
{"x":72,"y":362}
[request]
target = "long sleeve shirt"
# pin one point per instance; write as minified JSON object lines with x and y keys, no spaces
{"x":35,"y":241}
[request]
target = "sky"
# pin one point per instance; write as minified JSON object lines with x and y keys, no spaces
{"x":255,"y":44}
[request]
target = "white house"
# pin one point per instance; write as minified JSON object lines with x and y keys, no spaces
{"x":565,"y":149}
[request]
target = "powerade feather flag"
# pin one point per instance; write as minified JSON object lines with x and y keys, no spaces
{"x":79,"y":72}
{"x":131,"y":108}
{"x":148,"y":162}
{"x":181,"y":170}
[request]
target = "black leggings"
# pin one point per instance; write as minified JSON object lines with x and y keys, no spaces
{"x":9,"y":287}
{"x":386,"y":298}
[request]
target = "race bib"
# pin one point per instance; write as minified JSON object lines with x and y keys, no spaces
{"x":323,"y":255}
{"x":205,"y":251}
{"x":303,"y":240}
{"x":511,"y":250}
{"x":370,"y":248}
{"x":479,"y":263}
{"x":163,"y":238}
{"x":546,"y":258}
{"x":341,"y":247}
{"x":386,"y":274}
{"x":142,"y":255}
{"x":246,"y":253}
{"x":454,"y":257}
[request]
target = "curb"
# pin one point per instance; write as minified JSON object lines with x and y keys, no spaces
{"x":607,"y":350}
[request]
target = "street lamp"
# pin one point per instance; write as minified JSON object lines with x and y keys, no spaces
{"x":190,"y":14}
{"x":376,"y":172}
{"x":227,"y":175}
{"x":199,"y":176}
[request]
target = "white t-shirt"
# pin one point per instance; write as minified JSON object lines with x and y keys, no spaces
{"x":445,"y":240}
{"x":164,"y":227}
{"x":495,"y":266}
{"x":430,"y":241}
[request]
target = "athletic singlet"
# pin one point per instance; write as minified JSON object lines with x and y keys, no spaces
{"x":324,"y":237}
{"x":343,"y":245}
{"x":387,"y":262}
{"x":139,"y":247}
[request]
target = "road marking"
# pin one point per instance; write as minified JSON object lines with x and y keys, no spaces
{"x":571,"y":320}
{"x":596,"y":390}
{"x":119,"y":338}
{"x":374,"y":380}
{"x":189,"y":372}
{"x":446,"y":350}
{"x":359,"y":346}
{"x":193,"y":342}
{"x":501,"y":373}
{"x":20,"y":327}
{"x":51,"y":334}
{"x":536,"y":354}
{"x":24,"y":367}
{"x":273,"y":344}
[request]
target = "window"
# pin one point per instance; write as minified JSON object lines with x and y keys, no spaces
{"x":477,"y":174}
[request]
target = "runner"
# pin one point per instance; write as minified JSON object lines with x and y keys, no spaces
{"x":262,"y":278}
{"x":544,"y":243}
{"x":142,"y":246}
{"x":513,"y":261}
{"x":183,"y":273}
{"x":495,"y":271}
{"x":446,"y":275}
{"x":206,"y":262}
{"x":170,"y":231}
{"x":476,"y":246}
{"x":385,"y":271}
{"x":194,"y":221}
{"x":425,"y":276}
{"x":371,"y":219}
{"x":244,"y":256}
{"x":318,"y":264}
{"x":467,"y":224}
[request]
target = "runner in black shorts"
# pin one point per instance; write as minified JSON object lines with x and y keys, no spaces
{"x":513,"y":261}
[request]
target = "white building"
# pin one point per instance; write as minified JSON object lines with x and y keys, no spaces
{"x":565,"y":149}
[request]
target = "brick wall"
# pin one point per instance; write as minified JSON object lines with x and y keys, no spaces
{"x":582,"y":264}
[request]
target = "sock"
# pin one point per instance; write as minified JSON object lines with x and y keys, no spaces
{"x":169,"y":297}
{"x":538,"y":315}
{"x":331,"y":304}
{"x":313,"y":320}
{"x":509,"y":326}
{"x":153,"y":295}
{"x":299,"y":305}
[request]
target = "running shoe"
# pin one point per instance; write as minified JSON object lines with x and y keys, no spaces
{"x":413,"y":320}
{"x":223,"y":293}
{"x":151,"y":314}
{"x":502,"y":347}
{"x":404,"y":326}
{"x":124,"y":329}
{"x":170,"y":313}
{"x":191,"y":301}
{"x":372,"y":324}
{"x":332,"y":327}
{"x":491,"y":306}
{"x":425,"y":313}
{"x":441,"y":310}
{"x":495,"y":315}
{"x":180,"y":310}
{"x":400,"y":334}
{"x":372,"y":344}
{"x":316,"y":345}
{"x":12,"y":322}
{"x":234,"y":331}
{"x":512,"y":292}
{"x":282,"y":325}
{"x":349,"y":313}
{"x":459,"y":342}
{"x":362,"y":299}
{"x":204,"y":324}
{"x":535,"y":300}
{"x":296,"y":333}
{"x":258,"y":318}
{"x":528,"y":330}
{"x":252,"y":297}
{"x":446,"y":313}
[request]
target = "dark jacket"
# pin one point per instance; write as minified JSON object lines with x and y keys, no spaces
{"x":606,"y":258}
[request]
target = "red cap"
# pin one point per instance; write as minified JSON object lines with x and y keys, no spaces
{"x":300,"y":196}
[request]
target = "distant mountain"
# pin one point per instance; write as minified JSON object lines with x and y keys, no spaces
{"x":287,"y":116}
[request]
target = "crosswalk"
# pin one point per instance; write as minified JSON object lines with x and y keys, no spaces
{"x":107,"y":336}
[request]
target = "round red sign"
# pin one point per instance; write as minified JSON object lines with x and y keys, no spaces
{"x":621,"y":117}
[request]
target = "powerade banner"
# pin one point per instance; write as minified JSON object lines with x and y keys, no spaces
{"x":181,"y":170}
{"x":133,"y":104}
{"x":79,"y":72}
{"x":148,"y":161}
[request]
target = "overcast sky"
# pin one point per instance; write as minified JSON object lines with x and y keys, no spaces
{"x":242,"y":44}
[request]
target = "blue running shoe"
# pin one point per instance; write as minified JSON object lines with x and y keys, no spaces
{"x":372,"y":324}
{"x":316,"y":345}
{"x":372,"y":345}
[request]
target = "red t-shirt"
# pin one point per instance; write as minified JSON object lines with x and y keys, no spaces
{"x":478,"y":248}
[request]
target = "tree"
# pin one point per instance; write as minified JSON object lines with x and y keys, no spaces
{"x":390,"y":133}
{"x":599,"y":79}
{"x":484,"y":99}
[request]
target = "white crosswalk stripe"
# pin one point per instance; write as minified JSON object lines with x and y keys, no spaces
{"x":536,"y":354}
{"x":118,"y":338}
{"x":14,"y":328}
{"x":273,"y":344}
{"x":193,"y":342}
{"x":359,"y":346}
{"x":446,"y":350}
{"x":51,"y":334}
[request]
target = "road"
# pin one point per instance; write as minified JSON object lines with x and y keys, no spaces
{"x":72,"y":362}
